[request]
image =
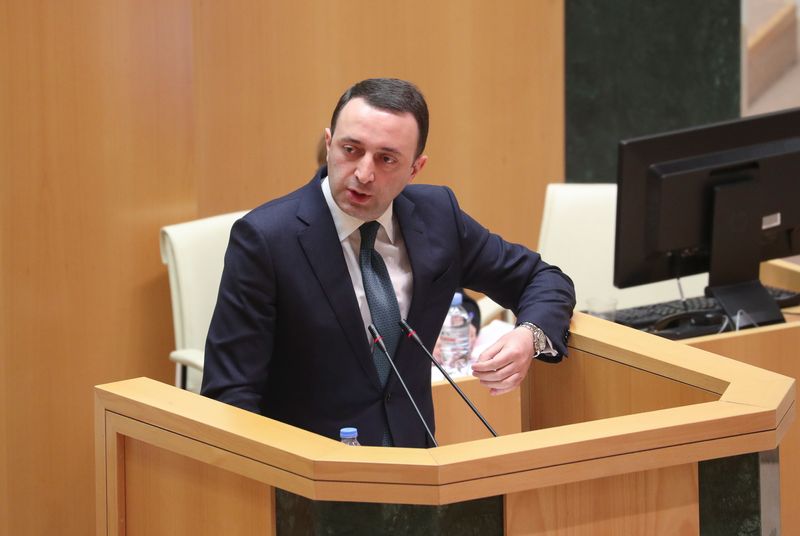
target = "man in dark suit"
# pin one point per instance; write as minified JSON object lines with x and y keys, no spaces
{"x":288,"y":338}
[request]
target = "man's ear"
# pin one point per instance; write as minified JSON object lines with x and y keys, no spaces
{"x":328,"y":138}
{"x":417,"y":166}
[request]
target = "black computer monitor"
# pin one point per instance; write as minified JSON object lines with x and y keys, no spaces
{"x":716,"y":198}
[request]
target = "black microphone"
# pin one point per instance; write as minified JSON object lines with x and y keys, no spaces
{"x":413,"y":334}
{"x":377,"y":339}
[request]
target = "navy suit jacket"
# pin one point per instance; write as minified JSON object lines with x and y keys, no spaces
{"x":287,"y":339}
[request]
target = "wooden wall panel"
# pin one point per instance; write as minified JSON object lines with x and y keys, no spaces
{"x":118,"y":117}
{"x":96,"y":157}
{"x":268,"y":75}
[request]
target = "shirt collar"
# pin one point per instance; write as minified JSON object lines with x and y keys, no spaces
{"x":347,"y":224}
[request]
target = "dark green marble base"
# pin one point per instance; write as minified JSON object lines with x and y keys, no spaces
{"x":730,"y":503}
{"x":298,"y":516}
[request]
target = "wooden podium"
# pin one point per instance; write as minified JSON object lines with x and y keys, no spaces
{"x":775,"y":348}
{"x":616,"y":434}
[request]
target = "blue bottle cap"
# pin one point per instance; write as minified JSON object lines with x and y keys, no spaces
{"x":457,"y":299}
{"x":348,"y":433}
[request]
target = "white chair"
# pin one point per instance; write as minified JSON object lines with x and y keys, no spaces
{"x":577,"y":235}
{"x":194,"y":253}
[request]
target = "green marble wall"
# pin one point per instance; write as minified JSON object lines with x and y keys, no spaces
{"x":636,"y":67}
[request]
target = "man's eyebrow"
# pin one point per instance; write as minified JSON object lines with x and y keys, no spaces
{"x":349,"y":139}
{"x":391,"y":150}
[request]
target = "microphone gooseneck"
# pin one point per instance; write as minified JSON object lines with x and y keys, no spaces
{"x":413,"y":335}
{"x":377,"y":339}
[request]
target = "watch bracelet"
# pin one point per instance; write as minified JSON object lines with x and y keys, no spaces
{"x":539,"y":341}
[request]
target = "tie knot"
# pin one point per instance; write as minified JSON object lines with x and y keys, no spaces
{"x":369,"y":231}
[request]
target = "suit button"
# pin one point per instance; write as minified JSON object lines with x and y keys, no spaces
{"x":388,"y":397}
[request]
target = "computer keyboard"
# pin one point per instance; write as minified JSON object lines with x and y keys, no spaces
{"x":644,"y":316}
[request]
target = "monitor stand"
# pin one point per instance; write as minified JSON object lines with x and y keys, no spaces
{"x":747,"y":304}
{"x":736,"y":257}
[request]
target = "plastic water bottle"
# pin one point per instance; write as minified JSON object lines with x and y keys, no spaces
{"x":454,"y":337}
{"x":349,"y":436}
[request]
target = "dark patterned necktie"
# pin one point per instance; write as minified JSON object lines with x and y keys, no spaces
{"x":380,"y":296}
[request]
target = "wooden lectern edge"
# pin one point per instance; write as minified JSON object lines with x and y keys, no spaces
{"x":503,"y":475}
{"x":754,"y":409}
{"x":781,"y":274}
{"x":319,"y":458}
{"x":465,"y":477}
{"x":772,"y":328}
{"x":735,"y":381}
{"x":505,"y":483}
{"x":675,"y":360}
{"x":241,"y":431}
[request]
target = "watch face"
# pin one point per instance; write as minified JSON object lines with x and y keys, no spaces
{"x":540,"y":340}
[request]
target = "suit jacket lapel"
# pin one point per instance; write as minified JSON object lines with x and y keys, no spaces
{"x":419,"y":248}
{"x":323,"y":250}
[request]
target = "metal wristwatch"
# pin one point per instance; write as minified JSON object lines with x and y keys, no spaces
{"x":539,"y":338}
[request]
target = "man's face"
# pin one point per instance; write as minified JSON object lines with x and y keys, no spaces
{"x":371,"y":158}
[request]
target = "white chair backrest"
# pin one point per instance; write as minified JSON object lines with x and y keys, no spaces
{"x":194,"y":253}
{"x":577,"y":235}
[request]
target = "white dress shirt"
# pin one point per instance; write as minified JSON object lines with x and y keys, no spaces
{"x":389,"y":243}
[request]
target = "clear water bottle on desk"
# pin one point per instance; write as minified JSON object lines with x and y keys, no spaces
{"x":454,"y":337}
{"x":349,"y":436}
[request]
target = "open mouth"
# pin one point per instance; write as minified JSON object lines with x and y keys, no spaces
{"x":358,"y":196}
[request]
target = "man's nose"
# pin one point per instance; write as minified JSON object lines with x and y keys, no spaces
{"x":365,"y":171}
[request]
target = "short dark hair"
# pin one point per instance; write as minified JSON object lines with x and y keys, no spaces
{"x":393,"y":95}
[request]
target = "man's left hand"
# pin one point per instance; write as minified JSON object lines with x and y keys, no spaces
{"x":503,"y":365}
